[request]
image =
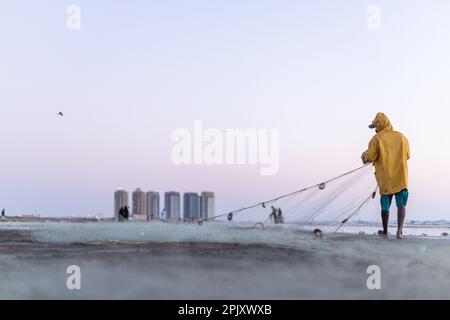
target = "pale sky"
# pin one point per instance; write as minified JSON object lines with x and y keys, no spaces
{"x":138,"y":70}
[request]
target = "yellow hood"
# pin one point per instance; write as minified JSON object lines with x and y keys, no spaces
{"x":382,"y":122}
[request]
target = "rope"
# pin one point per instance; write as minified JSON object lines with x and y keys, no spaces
{"x":322,"y":184}
{"x":371,"y":196}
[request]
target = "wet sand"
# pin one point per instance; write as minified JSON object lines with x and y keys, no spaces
{"x":184,"y":270}
{"x":33,"y":269}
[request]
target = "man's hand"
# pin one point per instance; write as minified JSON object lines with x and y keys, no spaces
{"x":363,"y":160}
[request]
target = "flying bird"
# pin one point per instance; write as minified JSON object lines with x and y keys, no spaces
{"x":60,"y":114}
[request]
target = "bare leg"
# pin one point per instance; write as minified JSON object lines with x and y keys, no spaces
{"x":385,"y":220}
{"x":401,"y":212}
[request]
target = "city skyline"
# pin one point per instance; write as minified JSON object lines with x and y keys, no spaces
{"x":196,"y":206}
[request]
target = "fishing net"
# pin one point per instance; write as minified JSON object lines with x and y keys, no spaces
{"x":333,"y":201}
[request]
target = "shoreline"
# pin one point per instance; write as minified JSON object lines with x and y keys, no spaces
{"x":54,"y":219}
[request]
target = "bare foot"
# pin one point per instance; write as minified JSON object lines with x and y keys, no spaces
{"x":399,"y":234}
{"x":382,"y":233}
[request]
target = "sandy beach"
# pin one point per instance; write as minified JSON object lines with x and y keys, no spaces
{"x":120,"y":261}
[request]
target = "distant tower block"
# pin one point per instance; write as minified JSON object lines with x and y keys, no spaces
{"x":139,"y":203}
{"x":191,"y":206}
{"x":207,"y":205}
{"x":153,"y":205}
{"x":120,"y":201}
{"x":172,"y":203}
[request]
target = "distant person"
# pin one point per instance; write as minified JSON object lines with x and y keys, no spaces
{"x":126,"y":213}
{"x":273,"y":214}
{"x":120,"y":217}
{"x":3,"y":214}
{"x":123,"y":214}
{"x":280,"y":218}
{"x":389,"y":152}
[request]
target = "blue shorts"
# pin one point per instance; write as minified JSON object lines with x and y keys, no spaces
{"x":401,"y":199}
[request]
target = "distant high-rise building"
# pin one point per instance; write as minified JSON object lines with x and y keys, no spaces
{"x":207,"y":205}
{"x":172,"y":204}
{"x":153,"y":205}
{"x":191,"y":206}
{"x":120,"y":201}
{"x":139,"y":202}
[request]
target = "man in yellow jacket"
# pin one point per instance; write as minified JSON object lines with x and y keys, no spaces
{"x":389,"y":152}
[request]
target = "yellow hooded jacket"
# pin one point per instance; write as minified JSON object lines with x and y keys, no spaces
{"x":389,"y":152}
